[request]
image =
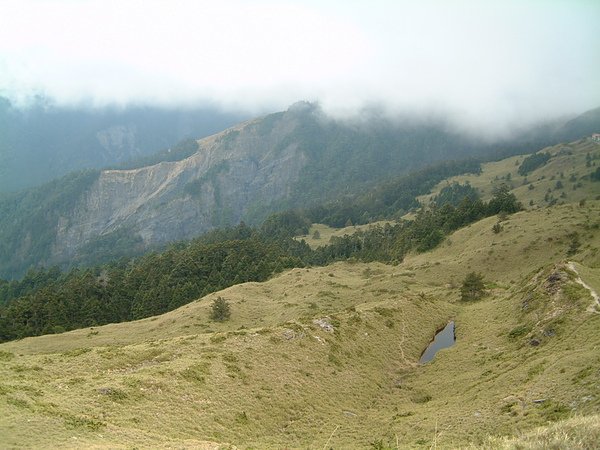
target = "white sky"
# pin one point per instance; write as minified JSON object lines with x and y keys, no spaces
{"x":486,"y":63}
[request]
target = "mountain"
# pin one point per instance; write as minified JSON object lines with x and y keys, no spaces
{"x":45,"y":141}
{"x":48,"y":301}
{"x":328,"y":356}
{"x":582,"y":125}
{"x":295,"y":158}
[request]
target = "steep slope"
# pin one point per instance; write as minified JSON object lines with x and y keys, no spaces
{"x":277,"y":375}
{"x":242,"y":173}
{"x":151,"y":205}
{"x":176,"y":200}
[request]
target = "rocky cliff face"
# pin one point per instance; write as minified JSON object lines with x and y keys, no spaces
{"x":231,"y":172}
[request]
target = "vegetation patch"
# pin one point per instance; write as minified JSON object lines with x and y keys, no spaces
{"x":114,"y":394}
{"x":553,"y":411}
{"x":473,"y":287}
{"x":77,"y":422}
{"x":220,"y":310}
{"x":420,"y":397}
{"x":6,"y":356}
{"x":533,"y":162}
{"x":519,"y":331}
{"x":196,"y":373}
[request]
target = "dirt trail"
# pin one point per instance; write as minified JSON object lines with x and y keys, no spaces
{"x":595,"y":296}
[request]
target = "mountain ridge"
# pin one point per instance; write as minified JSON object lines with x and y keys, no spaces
{"x":284,"y":160}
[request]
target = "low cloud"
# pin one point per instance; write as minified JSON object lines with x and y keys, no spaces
{"x":486,"y":66}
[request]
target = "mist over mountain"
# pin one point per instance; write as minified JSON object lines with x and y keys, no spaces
{"x":586,"y":123}
{"x":488,"y":66}
{"x":44,"y":141}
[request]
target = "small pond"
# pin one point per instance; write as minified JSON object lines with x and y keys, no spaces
{"x":443,"y":339}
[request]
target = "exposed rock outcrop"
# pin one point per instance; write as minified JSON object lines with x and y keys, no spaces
{"x":231,"y":172}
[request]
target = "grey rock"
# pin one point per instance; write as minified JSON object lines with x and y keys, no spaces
{"x":231,"y":172}
{"x":325,"y":324}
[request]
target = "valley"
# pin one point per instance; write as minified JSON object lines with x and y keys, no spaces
{"x":285,"y":225}
{"x":328,"y":356}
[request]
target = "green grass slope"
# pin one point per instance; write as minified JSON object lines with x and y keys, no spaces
{"x":565,"y":177}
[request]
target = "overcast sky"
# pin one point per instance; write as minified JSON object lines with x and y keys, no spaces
{"x":486,"y":63}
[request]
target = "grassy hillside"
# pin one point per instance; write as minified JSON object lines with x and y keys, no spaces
{"x":324,"y":232}
{"x":328,"y":357}
{"x":563,"y":179}
{"x":269,"y":385}
{"x":275,"y":377}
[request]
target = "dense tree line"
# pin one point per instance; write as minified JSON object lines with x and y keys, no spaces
{"x":48,"y":301}
{"x":454,"y":194}
{"x":153,"y":284}
{"x":390,"y":243}
{"x":28,"y":219}
{"x":390,"y":200}
{"x":532,"y":162}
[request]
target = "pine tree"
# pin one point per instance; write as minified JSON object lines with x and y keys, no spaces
{"x":219,"y":310}
{"x":472,"y":287}
{"x":574,"y":243}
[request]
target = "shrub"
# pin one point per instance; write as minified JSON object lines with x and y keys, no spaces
{"x":519,"y":331}
{"x":219,"y":310}
{"x":472,"y":287}
{"x":574,"y":243}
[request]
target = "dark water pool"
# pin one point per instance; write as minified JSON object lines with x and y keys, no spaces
{"x":443,"y":339}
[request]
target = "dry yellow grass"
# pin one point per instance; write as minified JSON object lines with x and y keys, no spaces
{"x":325,"y":232}
{"x":292,"y":295}
{"x":576,"y":433}
{"x":271,"y":385}
{"x":271,"y":378}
